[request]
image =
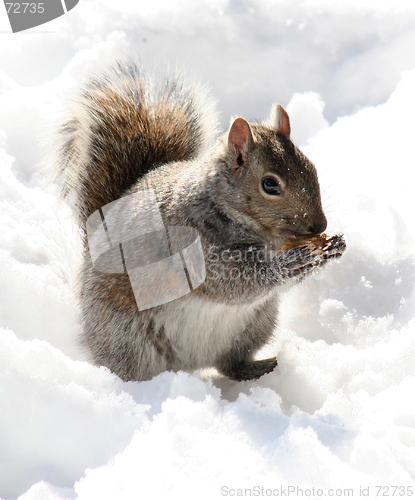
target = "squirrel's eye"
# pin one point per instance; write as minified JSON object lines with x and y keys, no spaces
{"x":271,"y":186}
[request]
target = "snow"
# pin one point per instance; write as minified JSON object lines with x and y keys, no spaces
{"x":338,"y":411}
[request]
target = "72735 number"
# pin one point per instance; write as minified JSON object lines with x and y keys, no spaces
{"x":22,"y":8}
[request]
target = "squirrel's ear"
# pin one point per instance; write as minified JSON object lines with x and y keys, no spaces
{"x":239,"y":140}
{"x":280,"y":121}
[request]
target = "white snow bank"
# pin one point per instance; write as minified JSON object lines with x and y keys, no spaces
{"x":38,"y":254}
{"x":338,"y":411}
{"x":61,"y":416}
{"x":251,"y":52}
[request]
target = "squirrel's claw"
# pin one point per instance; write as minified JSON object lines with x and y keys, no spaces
{"x":334,"y":248}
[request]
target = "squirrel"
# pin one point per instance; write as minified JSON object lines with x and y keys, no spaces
{"x":182,"y":228}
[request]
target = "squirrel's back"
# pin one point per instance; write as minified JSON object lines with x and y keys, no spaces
{"x":120,"y":125}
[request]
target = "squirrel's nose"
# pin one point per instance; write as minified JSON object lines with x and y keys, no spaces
{"x":319,"y":225}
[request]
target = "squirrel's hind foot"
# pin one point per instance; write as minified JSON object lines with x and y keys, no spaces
{"x":249,"y":370}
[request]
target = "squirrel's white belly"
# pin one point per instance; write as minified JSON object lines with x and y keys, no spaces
{"x":201,"y":330}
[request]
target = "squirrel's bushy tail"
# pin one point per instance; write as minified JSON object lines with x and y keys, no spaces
{"x":119,"y":126}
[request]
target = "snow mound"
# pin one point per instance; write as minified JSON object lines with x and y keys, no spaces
{"x":338,"y":411}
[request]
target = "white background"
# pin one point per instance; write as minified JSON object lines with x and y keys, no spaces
{"x":338,"y":411}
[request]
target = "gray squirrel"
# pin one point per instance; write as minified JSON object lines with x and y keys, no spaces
{"x":138,"y":160}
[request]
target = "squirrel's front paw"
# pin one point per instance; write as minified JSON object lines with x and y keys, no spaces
{"x":334,"y":248}
{"x":300,"y":261}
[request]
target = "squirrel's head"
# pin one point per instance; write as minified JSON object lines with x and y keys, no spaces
{"x":271,"y":181}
